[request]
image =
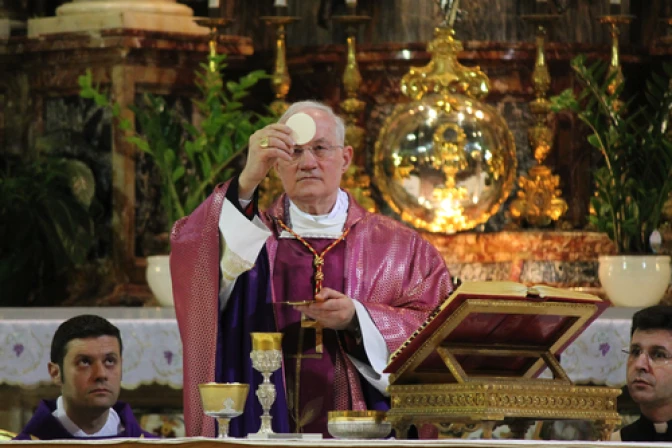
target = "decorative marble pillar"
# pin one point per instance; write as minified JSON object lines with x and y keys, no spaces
{"x":96,"y":15}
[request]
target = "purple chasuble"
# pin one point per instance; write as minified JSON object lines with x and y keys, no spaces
{"x":44,"y":426}
{"x":309,"y":375}
{"x":294,"y":281}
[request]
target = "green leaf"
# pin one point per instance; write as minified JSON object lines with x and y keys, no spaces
{"x":233,"y":87}
{"x":206,"y":165}
{"x":594,"y":140}
{"x":178,"y":173}
{"x":169,"y":158}
{"x":140,"y":143}
{"x":125,"y":125}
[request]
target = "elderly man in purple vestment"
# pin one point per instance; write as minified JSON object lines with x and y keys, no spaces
{"x":370,"y":281}
{"x":86,"y":364}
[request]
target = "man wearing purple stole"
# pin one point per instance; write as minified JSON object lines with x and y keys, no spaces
{"x":345,"y":287}
{"x":86,"y":364}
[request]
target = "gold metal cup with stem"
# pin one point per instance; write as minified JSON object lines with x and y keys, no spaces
{"x":223,"y":401}
{"x":266,"y":358}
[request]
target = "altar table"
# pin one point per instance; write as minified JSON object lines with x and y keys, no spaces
{"x":200,"y":442}
{"x":153,"y":349}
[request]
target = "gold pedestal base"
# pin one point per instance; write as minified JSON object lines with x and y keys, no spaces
{"x":493,"y":402}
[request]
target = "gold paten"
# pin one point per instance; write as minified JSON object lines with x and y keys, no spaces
{"x":539,"y":199}
{"x":445,"y":161}
{"x":452,"y":395}
{"x":356,"y":180}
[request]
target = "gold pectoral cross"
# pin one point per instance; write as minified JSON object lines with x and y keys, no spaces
{"x":307,"y":322}
{"x":318,"y":263}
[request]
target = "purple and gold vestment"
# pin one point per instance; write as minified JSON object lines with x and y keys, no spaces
{"x":397,"y":275}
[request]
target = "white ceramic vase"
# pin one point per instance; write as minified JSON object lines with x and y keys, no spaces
{"x":634,"y":280}
{"x":158,"y":279}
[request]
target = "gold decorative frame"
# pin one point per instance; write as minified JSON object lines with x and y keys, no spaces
{"x":456,"y":396}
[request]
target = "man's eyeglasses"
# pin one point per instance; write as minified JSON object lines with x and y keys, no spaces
{"x":320,"y":152}
{"x":656,"y":356}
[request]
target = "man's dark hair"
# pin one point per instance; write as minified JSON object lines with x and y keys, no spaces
{"x":80,"y":327}
{"x":657,"y":317}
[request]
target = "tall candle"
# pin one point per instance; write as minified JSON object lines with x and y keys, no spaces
{"x":615,"y":7}
{"x":213,"y":8}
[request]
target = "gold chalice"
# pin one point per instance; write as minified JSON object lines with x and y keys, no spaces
{"x":223,"y":401}
{"x":266,"y":358}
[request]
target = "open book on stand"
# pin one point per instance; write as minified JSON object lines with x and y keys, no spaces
{"x":478,"y":355}
{"x":500,"y":330}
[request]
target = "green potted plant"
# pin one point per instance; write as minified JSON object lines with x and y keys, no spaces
{"x":46,"y":227}
{"x":635,"y":179}
{"x":191,"y":158}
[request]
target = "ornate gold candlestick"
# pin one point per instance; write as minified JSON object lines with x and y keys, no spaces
{"x":356,"y":180}
{"x":266,"y":358}
{"x":615,"y":73}
{"x":280,"y":80}
{"x":539,"y":202}
{"x":271,"y":187}
{"x":216,"y":26}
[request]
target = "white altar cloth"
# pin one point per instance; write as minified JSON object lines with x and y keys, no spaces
{"x":153,"y":349}
{"x":198,"y":442}
{"x":152,"y":352}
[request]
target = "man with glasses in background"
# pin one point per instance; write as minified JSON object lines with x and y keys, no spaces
{"x":649,"y":375}
{"x":346,"y":287}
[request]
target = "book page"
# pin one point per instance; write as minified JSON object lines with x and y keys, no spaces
{"x":493,"y":288}
{"x":515,"y":289}
{"x":550,"y":291}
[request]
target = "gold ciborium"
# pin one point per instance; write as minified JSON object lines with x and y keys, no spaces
{"x":266,"y":357}
{"x":223,"y":401}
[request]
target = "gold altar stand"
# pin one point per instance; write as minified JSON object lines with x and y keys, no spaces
{"x":477,"y":358}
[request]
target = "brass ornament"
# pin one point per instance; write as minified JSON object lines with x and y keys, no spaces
{"x":271,"y":186}
{"x":356,"y":180}
{"x":466,"y":403}
{"x":445,"y":161}
{"x":539,"y":200}
{"x":615,"y":22}
{"x":216,"y":26}
{"x":280,"y":80}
